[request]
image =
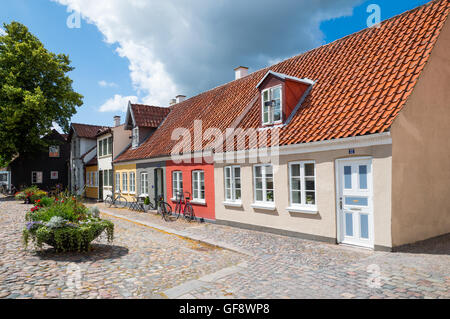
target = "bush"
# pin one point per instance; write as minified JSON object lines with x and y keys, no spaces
{"x":147,"y":201}
{"x":45,"y":201}
{"x":65,"y":225}
{"x":31,"y":195}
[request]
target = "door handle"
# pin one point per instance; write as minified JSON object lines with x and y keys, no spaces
{"x":340,"y":203}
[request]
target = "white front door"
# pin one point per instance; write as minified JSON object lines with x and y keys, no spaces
{"x":354,"y":202}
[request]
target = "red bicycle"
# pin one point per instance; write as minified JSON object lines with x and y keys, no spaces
{"x":184,"y":207}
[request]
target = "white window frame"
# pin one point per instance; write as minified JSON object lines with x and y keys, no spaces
{"x":132,"y":183}
{"x":177,"y":183}
{"x":232,"y":189}
{"x":125,"y":182}
{"x":38,"y":173}
{"x":100,"y":148}
{"x":135,"y":137}
{"x":117,"y":186}
{"x":144,"y":186}
{"x":196,"y":183}
{"x":264,"y":203}
{"x":303,"y":207}
{"x":271,"y":113}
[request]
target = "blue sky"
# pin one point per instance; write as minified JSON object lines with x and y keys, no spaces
{"x":139,"y":57}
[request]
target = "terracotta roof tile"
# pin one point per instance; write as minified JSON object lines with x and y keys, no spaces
{"x":149,"y":116}
{"x":86,"y":130}
{"x":362,"y":82}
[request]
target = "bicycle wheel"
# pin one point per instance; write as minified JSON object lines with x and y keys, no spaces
{"x":165,"y":210}
{"x":109,"y":201}
{"x":189,"y":212}
{"x":177,"y":211}
{"x":121,"y":202}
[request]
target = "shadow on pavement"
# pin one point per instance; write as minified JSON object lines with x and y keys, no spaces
{"x":434,"y":246}
{"x":97,"y":253}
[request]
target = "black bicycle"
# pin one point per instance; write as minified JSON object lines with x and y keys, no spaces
{"x":118,"y":201}
{"x":163,"y":208}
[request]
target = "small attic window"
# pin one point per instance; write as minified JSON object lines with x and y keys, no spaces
{"x":272,"y":105}
{"x":135,"y":137}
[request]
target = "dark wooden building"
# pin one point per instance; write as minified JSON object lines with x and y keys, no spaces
{"x":46,"y":168}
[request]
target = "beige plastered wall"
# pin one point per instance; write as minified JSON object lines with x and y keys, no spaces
{"x":421,"y":153}
{"x":323,"y":225}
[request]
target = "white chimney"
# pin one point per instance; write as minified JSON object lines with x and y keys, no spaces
{"x":116,"y":120}
{"x":180,"y":98}
{"x":241,"y":72}
{"x":173,"y":102}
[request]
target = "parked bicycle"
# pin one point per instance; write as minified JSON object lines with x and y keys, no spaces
{"x":164,"y":209}
{"x":118,"y":201}
{"x":184,"y":207}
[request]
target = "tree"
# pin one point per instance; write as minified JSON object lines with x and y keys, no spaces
{"x":35,"y":92}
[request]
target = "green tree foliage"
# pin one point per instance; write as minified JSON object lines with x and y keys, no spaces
{"x":35,"y":91}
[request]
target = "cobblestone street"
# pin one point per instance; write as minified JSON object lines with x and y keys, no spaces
{"x":154,"y":259}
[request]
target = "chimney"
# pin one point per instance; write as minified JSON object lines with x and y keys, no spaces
{"x":173,"y":102}
{"x":180,"y":98}
{"x":116,"y":120}
{"x":241,"y":72}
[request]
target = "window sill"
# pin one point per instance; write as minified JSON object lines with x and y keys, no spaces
{"x":233,"y":204}
{"x":198,"y":202}
{"x":265,"y":206}
{"x":312,"y":210}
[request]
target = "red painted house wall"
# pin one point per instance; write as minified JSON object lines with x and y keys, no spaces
{"x":201,"y":211}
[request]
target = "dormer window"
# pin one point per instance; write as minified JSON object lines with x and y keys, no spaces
{"x":271,"y":111}
{"x":135,"y":137}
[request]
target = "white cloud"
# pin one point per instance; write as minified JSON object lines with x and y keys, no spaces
{"x":184,"y":47}
{"x":105,"y":84}
{"x":2,"y":31}
{"x":118,"y":103}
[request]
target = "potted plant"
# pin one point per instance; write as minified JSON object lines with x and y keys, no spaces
{"x":65,"y":225}
{"x":147,"y":204}
{"x":309,"y":200}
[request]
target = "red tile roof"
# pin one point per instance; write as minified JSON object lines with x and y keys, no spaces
{"x":92,"y":162}
{"x":362,"y":83}
{"x":86,"y":130}
{"x":148,"y":115}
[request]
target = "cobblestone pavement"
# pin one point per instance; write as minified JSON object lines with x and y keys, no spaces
{"x":147,"y":263}
{"x":141,"y":263}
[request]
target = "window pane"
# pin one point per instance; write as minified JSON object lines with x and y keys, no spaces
{"x":310,"y":184}
{"x":269,"y":195}
{"x":309,"y":170}
{"x":237,"y":183}
{"x":228,"y":194}
{"x":296,"y":197}
{"x":258,"y":184}
{"x":266,"y":95}
{"x":310,"y":198}
{"x":295,"y":170}
{"x":269,"y":184}
{"x":348,"y":224}
{"x":237,"y":172}
{"x":269,"y":171}
{"x":259,"y":195}
{"x":258,"y":171}
{"x":238,"y":194}
{"x":296,"y":184}
{"x":348,"y":177}
{"x":364,"y":226}
{"x":227,"y":172}
{"x":276,"y":93}
{"x":363,"y":176}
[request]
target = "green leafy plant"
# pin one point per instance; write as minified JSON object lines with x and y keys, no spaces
{"x":147,"y":201}
{"x":66,"y":225}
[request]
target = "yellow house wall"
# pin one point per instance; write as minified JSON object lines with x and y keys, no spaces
{"x":91,"y":192}
{"x":125,"y":168}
